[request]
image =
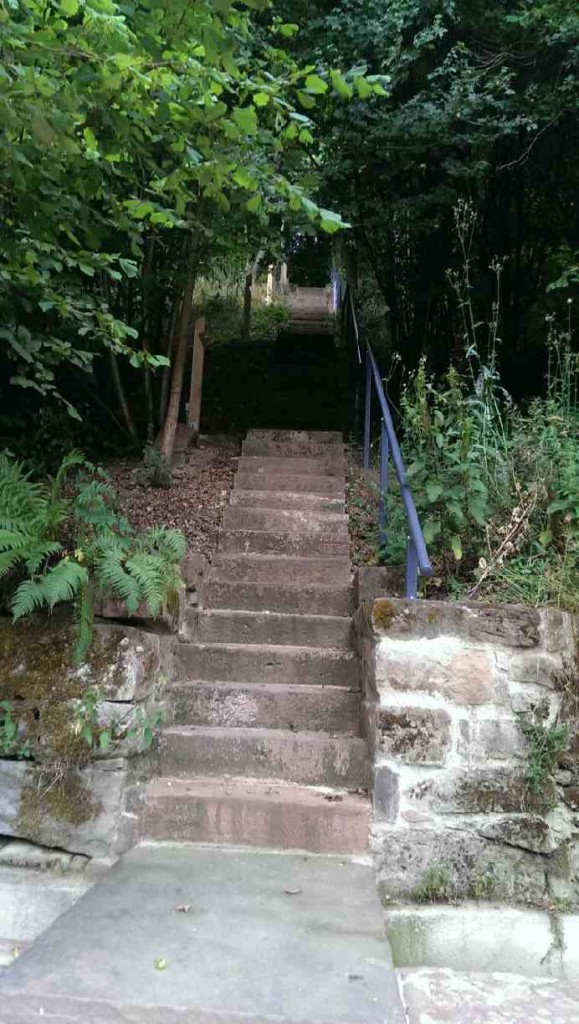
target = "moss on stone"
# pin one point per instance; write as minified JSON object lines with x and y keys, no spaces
{"x":62,"y":799}
{"x":383,"y":613}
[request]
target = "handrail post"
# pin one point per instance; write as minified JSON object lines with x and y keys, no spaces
{"x":382,"y":507}
{"x":367,"y":412}
{"x":411,"y":570}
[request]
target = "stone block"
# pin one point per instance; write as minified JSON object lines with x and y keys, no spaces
{"x":193,"y":570}
{"x":481,"y":791}
{"x":79,"y":812}
{"x":510,"y":625}
{"x":386,"y":793}
{"x":535,"y":668}
{"x":535,"y":832}
{"x":414,"y":735}
{"x":497,"y":739}
{"x":464,"y":865}
{"x":442,"y":665}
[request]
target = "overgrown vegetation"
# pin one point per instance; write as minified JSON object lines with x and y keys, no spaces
{"x":63,"y":540}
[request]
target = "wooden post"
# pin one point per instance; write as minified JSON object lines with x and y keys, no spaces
{"x":196,"y":390}
{"x":269,"y":286}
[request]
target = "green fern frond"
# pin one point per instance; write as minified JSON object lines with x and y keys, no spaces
{"x":36,"y":556}
{"x":8,"y":561}
{"x":62,"y":582}
{"x":112,"y":577}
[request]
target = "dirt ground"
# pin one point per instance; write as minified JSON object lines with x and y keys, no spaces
{"x":196,"y":499}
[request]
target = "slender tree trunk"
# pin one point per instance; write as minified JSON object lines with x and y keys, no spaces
{"x":146,"y":326}
{"x":180,"y":351}
{"x":246,"y":322}
{"x":123,"y":403}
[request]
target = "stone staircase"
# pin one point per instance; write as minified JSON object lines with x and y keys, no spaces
{"x":264,"y":748}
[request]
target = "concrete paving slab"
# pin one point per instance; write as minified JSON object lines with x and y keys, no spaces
{"x":443,"y":996}
{"x":268,"y":937}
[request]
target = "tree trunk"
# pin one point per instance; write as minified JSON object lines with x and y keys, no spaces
{"x":246,"y":322}
{"x":123,"y":403}
{"x":146,"y":328}
{"x":180,"y":351}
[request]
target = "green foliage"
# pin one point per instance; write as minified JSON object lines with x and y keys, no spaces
{"x":546,"y":740}
{"x":87,"y":723}
{"x":435,"y":886}
{"x":71,"y":545}
{"x":11,"y":742}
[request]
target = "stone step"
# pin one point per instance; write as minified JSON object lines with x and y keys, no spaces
{"x":223,"y":627}
{"x":260,"y":542}
{"x":297,"y":598}
{"x":302,"y":521}
{"x":286,"y":501}
{"x":287,"y":466}
{"x":250,"y":812}
{"x":305,"y":483}
{"x":267,"y":663}
{"x":296,"y":436}
{"x":307,"y":571}
{"x":328,"y":709}
{"x":292,"y":449}
{"x":309,"y":758}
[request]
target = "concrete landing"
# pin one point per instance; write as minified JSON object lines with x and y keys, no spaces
{"x":268,"y":938}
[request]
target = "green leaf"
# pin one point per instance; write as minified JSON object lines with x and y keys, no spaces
{"x":261,"y":99}
{"x":456,"y":545}
{"x":288,"y":30}
{"x":308,"y":102}
{"x":340,"y":85}
{"x":433,"y":489}
{"x":330,"y":222}
{"x":69,"y":7}
{"x":254,"y":203}
{"x":246,"y":119}
{"x":316,"y":85}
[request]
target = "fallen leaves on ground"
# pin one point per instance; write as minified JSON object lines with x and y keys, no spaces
{"x":195,"y":501}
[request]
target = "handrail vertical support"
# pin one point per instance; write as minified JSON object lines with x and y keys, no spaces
{"x":411,"y":570}
{"x":367,"y":412}
{"x":383,"y":507}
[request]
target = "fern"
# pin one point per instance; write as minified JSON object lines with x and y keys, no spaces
{"x":61,"y":583}
{"x":36,"y":520}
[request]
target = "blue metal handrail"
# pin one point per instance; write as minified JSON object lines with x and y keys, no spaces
{"x":417,"y":560}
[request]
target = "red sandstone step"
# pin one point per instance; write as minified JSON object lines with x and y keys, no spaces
{"x":292,"y":598}
{"x":296,"y":482}
{"x":290,"y":436}
{"x":283,"y":520}
{"x":260,"y":542}
{"x":329,"y":709}
{"x":267,"y":663}
{"x":265,"y":465}
{"x":271,"y":569}
{"x":226,"y":626}
{"x":249,"y":812}
{"x":285,"y":500}
{"x":309,"y":758}
{"x":295,"y":449}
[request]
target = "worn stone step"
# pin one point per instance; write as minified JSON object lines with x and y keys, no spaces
{"x":226,"y":626}
{"x":333,"y":465}
{"x":285,"y":500}
{"x":328,"y":709}
{"x":296,"y":436}
{"x":267,"y":663}
{"x":309,"y":758}
{"x":302,"y":521}
{"x":292,"y":449}
{"x":297,"y":598}
{"x":298,"y":483}
{"x":261,"y":542}
{"x":250,"y":812}
{"x":308,"y":571}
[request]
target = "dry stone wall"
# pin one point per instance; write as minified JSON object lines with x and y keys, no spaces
{"x":64,"y":793}
{"x":451,"y":695}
